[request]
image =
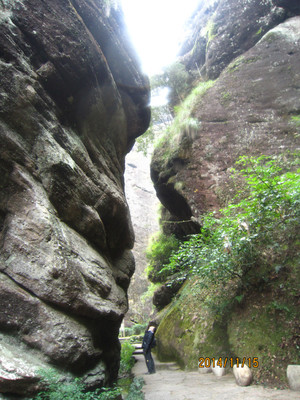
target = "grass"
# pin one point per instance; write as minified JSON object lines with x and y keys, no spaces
{"x":211,"y":31}
{"x":183,"y":121}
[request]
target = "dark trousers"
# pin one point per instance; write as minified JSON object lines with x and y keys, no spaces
{"x":149,"y":361}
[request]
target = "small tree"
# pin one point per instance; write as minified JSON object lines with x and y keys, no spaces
{"x":177,"y":79}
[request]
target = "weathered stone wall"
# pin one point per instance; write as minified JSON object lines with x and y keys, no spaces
{"x":251,"y":108}
{"x":72,"y":101}
{"x":143,"y":203}
{"x":221,"y":30}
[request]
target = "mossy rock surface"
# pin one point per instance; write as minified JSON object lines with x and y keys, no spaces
{"x":211,"y":322}
{"x":266,"y":326}
{"x":190,"y":329}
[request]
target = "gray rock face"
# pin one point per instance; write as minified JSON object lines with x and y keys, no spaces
{"x":251,"y":108}
{"x":143,"y":205}
{"x":72,"y":100}
{"x":225,"y":29}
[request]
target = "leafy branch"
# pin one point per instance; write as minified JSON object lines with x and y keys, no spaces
{"x":259,"y":229}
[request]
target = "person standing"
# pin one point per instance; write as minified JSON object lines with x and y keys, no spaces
{"x":147,"y":345}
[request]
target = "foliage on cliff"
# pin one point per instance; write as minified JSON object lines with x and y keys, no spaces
{"x":158,"y":254}
{"x":258,"y":232}
{"x":241,"y":298}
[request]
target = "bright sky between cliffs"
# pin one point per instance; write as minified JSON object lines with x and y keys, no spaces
{"x":156,"y":28}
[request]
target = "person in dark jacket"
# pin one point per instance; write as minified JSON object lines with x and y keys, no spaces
{"x":148,"y":343}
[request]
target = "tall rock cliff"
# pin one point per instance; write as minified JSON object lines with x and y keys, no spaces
{"x":248,"y":106}
{"x":72,"y":101}
{"x":143,"y":204}
{"x":245,"y":56}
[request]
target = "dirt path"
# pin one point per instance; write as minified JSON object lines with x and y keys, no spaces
{"x":170,"y":382}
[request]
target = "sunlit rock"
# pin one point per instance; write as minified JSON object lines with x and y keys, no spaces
{"x":224,"y":29}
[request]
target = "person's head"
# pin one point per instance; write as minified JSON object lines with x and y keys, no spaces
{"x":153,"y":326}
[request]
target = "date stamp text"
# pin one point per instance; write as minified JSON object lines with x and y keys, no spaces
{"x":207,"y":362}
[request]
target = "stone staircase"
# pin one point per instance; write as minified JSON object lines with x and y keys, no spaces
{"x":159,"y":366}
{"x":138,"y":348}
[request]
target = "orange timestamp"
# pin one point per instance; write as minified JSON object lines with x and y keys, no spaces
{"x":207,"y":362}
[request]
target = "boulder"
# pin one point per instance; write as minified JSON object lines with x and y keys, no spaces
{"x":218,"y":371}
{"x":165,"y":293}
{"x":235,"y":27}
{"x":205,"y":370}
{"x":17,"y":373}
{"x":293,"y":376}
{"x":243,"y":375}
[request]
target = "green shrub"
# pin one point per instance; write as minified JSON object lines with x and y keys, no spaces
{"x":158,"y":254}
{"x":176,"y":78}
{"x":161,"y":119}
{"x":135,"y":391}
{"x":138,"y":329}
{"x":58,"y":389}
{"x":136,"y":338}
{"x":128,"y":331}
{"x":255,"y":236}
{"x":127,"y":360}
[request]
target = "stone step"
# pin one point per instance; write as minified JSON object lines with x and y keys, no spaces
{"x":159,"y":366}
{"x":163,"y":366}
{"x":138,"y":348}
{"x":138,"y":351}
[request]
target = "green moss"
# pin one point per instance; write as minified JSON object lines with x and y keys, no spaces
{"x":216,"y":322}
{"x":179,"y":186}
{"x":234,"y":66}
{"x":270,"y":37}
{"x":262,"y":331}
{"x":258,"y":33}
{"x":191,"y":328}
{"x":242,"y":60}
{"x":158,"y":253}
{"x":296,"y":119}
{"x":226,"y":98}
